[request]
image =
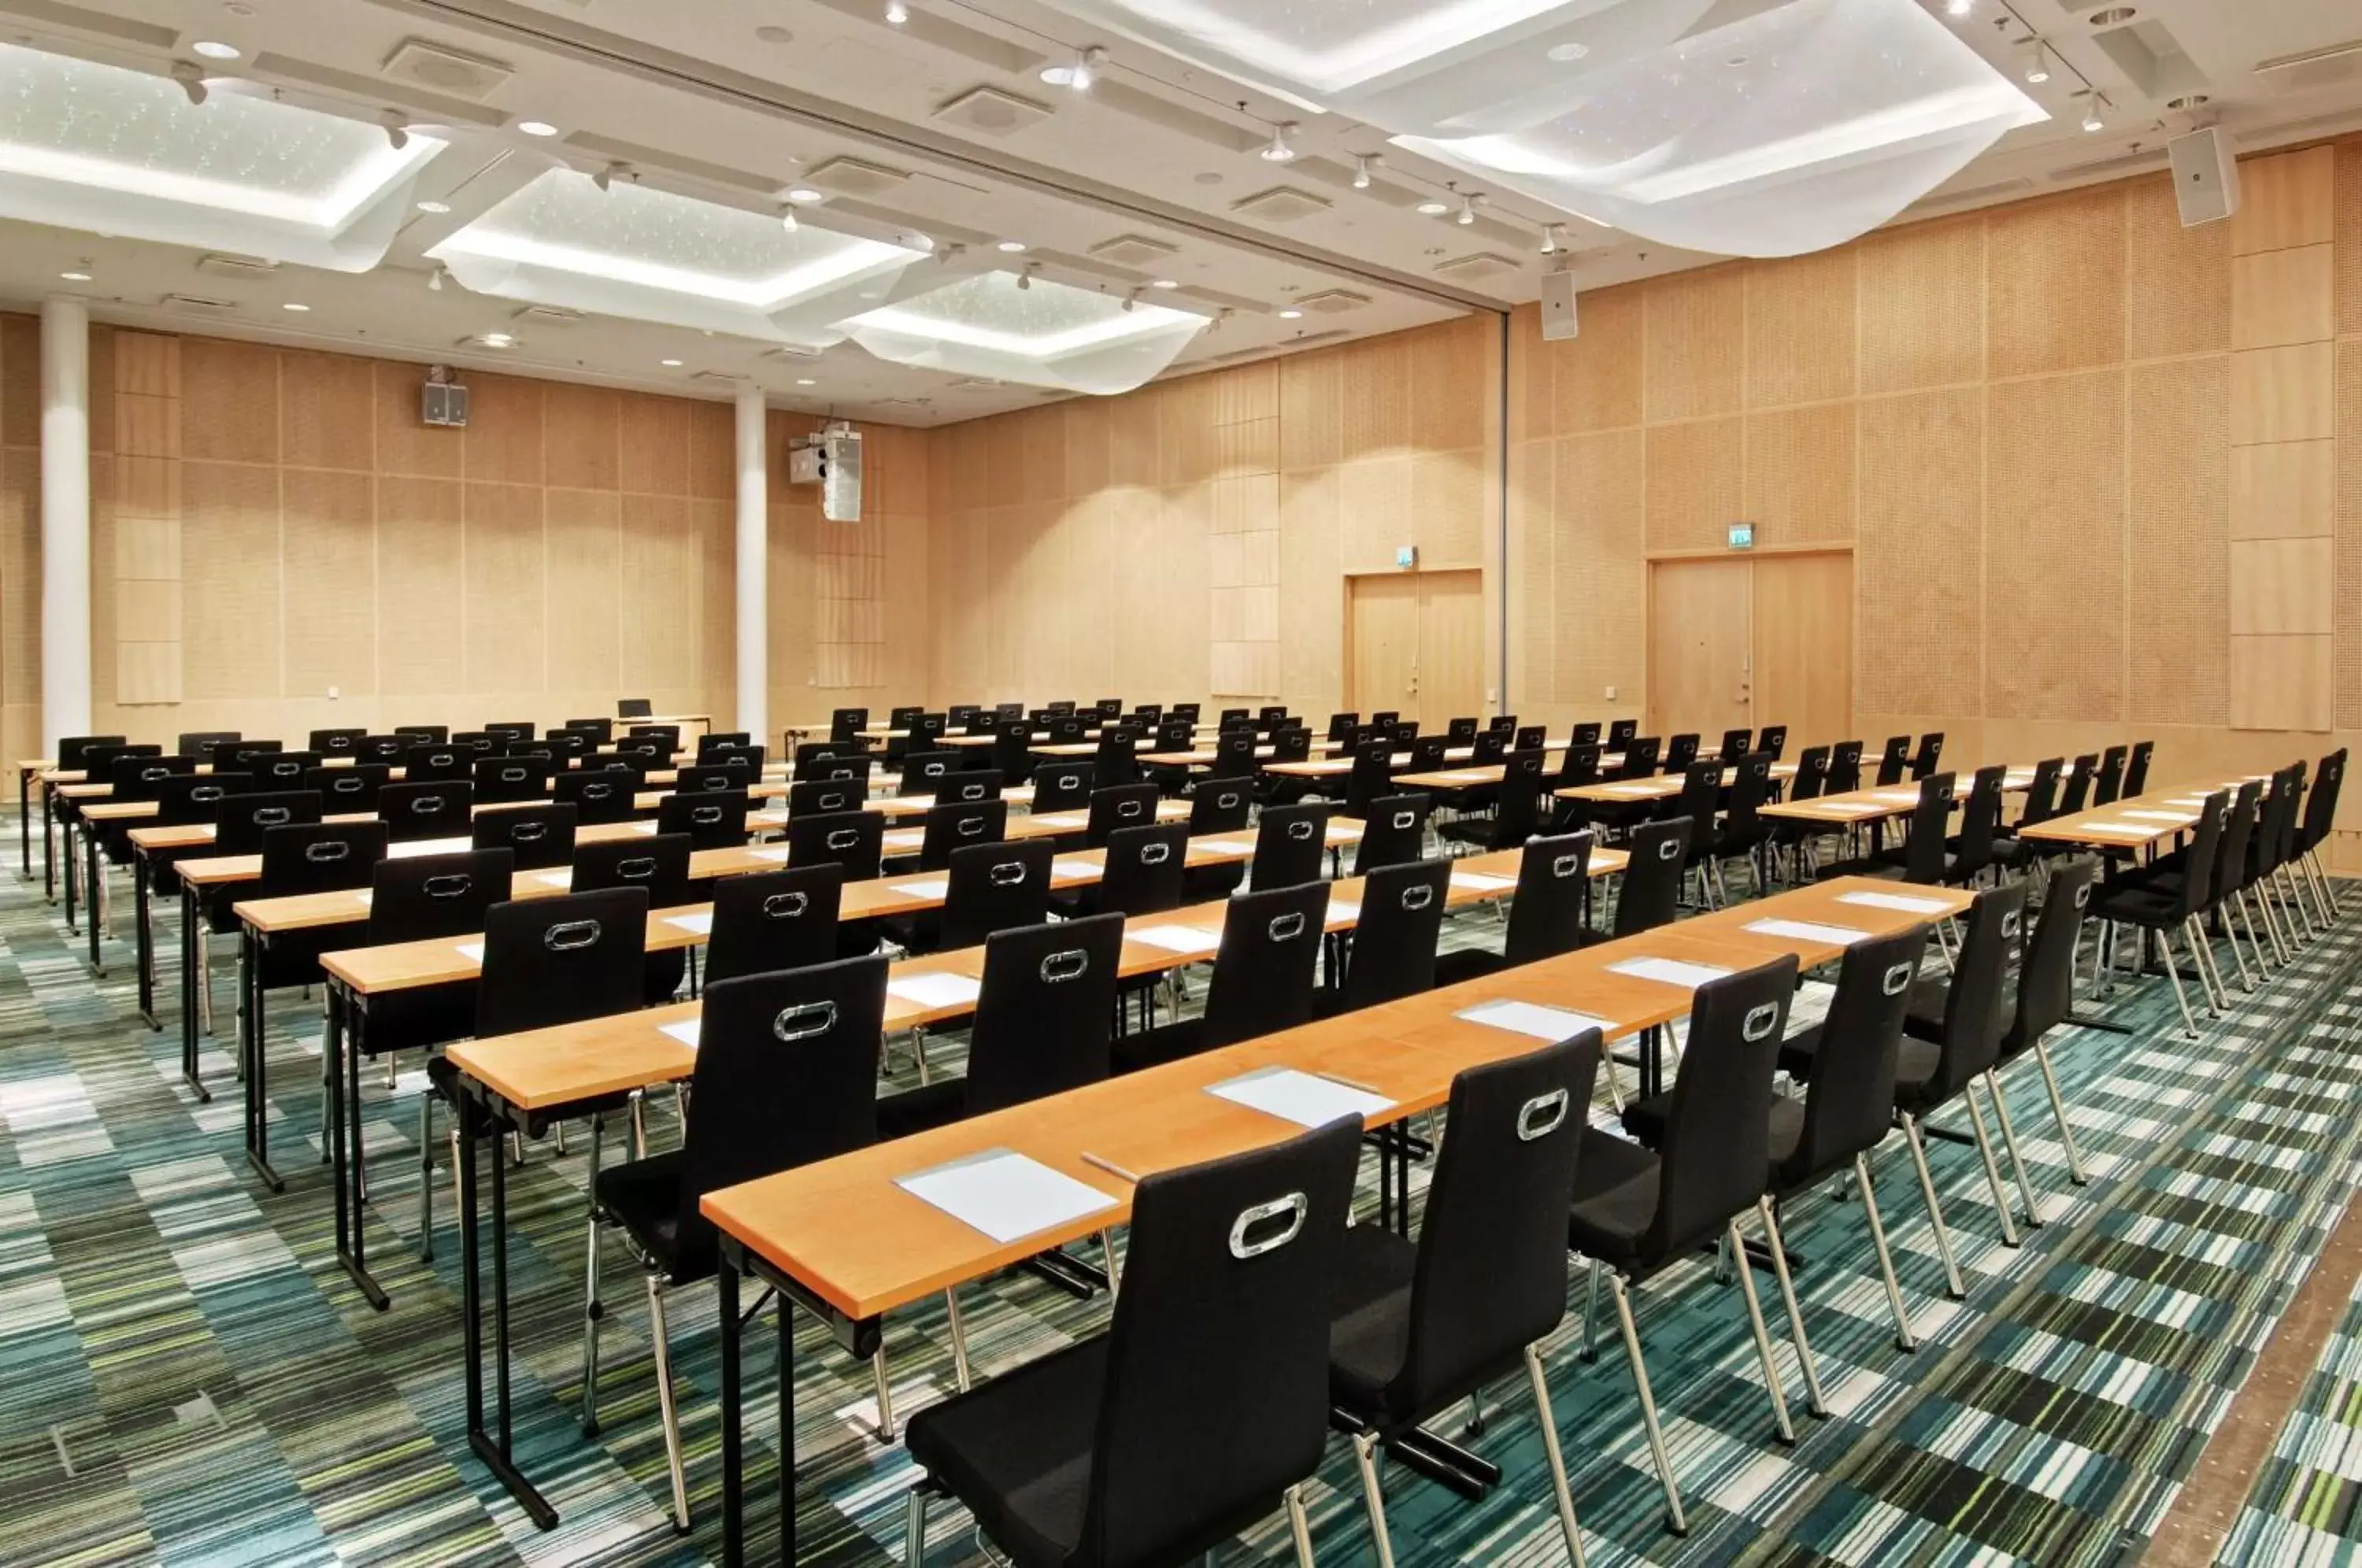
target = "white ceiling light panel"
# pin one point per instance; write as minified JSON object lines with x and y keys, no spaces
{"x":647,"y":254}
{"x":1042,"y":334}
{"x":110,"y":151}
{"x":1796,"y":127}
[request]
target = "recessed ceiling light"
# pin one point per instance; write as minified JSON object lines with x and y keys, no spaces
{"x":897,"y":13}
{"x":1011,"y":246}
{"x":438,"y":207}
{"x":213,"y":49}
{"x":806,"y":382}
{"x":2187,"y":101}
{"x":1432,"y":207}
{"x":1569,"y":51}
{"x":497,"y":341}
{"x":536,"y":127}
{"x":75,"y":277}
{"x":1957,"y":9}
{"x":2113,"y":17}
{"x":670,"y":364}
{"x":1291,"y":314}
{"x":293,"y":306}
{"x":775,"y":34}
{"x":1166,"y":283}
{"x":805,"y":196}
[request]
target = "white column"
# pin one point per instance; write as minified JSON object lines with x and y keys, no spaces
{"x":65,"y":521}
{"x":753,"y":565}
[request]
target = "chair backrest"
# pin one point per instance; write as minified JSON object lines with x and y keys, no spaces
{"x":1062,"y":786}
{"x":1174,"y":734}
{"x":1393,"y":954}
{"x":855,"y":840}
{"x":1529,"y":737}
{"x":1393,"y":833}
{"x":2321,"y":807}
{"x":2233,"y":862}
{"x":510,"y":730}
{"x":1772,"y":741}
{"x":352,"y":789}
{"x":968,"y":785}
{"x":774,"y":919}
{"x":1930,"y":751}
{"x":2136,"y":767}
{"x":1144,"y":866}
{"x":193,"y":743}
{"x":2196,"y":893}
{"x":1680,"y":753}
{"x":1517,"y":809}
{"x":1551,"y":909}
{"x":1699,"y":800}
{"x":1220,"y":805}
{"x":1750,"y":786}
{"x":811,"y":797}
{"x":442,"y":809}
{"x":1188,"y":710}
{"x":136,"y":777}
{"x":1490,"y":1278}
{"x":1735,"y":743}
{"x":922,"y":771}
{"x":1372,"y":778}
{"x":2109,"y":786}
{"x":318,"y":857}
{"x":1622,"y":732}
{"x":562,"y":959}
{"x":1292,"y":744}
{"x":1459,"y":731}
{"x":1845,"y":767}
{"x":993,"y":887}
{"x":335,"y":743}
{"x":540,"y":835}
{"x":953,"y":826}
{"x":423,"y":896}
{"x":1290,"y":843}
{"x":657,"y":867}
{"x":2077,"y":793}
{"x":713,"y":819}
{"x":2042,"y":792}
{"x":738,"y":750}
{"x":242,"y":818}
{"x":1219,"y":1346}
{"x":599,"y":794}
{"x":1979,"y":822}
{"x":1639,"y":758}
{"x":190,"y":797}
{"x":1115,"y":758}
{"x":431,"y":762}
{"x":74,"y":751}
{"x":1973,"y":1017}
{"x":842,"y":767}
{"x":1046,"y":1011}
{"x":1715,"y":1151}
{"x":599,"y":731}
{"x":1892,"y":760}
{"x":700,"y":777}
{"x":388,"y":749}
{"x":511,"y":778}
{"x":1340,"y":726}
{"x":2046,"y":975}
{"x":483,"y":743}
{"x":1931,"y":818}
{"x":1234,"y":756}
{"x":1116,"y":806}
{"x":1812,"y":775}
{"x":1850,"y":1108}
{"x":1652,"y":893}
{"x":1066,"y":729}
{"x":1264,"y":970}
{"x":845,"y":724}
{"x":1578,"y":766}
{"x":436,"y":733}
{"x":222,"y":755}
{"x":667,"y":737}
{"x":1586,"y":733}
{"x":277,"y":769}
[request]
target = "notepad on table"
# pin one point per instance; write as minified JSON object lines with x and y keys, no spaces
{"x":1345,"y":909}
{"x":561,"y":880}
{"x":699,"y":924}
{"x":1004,"y":1193}
{"x":1073,"y":870}
{"x":685,"y":1032}
{"x":1063,"y":820}
{"x":1479,"y":882}
{"x":936,"y":991}
{"x":927,"y":889}
{"x":1533,"y":1019}
{"x":1852,"y":809}
{"x":1176,"y":938}
{"x":1670,"y":971}
{"x":1807,"y":931}
{"x":410,"y":849}
{"x":1306,"y":1098}
{"x":904,"y":838}
{"x":1906,"y":903}
{"x":2162,"y":816}
{"x":1226,"y":847}
{"x":648,"y":828}
{"x":363,"y":897}
{"x":2121,"y":830}
{"x":473,"y":952}
{"x":776,"y":854}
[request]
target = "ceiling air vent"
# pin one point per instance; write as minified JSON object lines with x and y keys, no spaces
{"x":441,"y":69}
{"x":199,"y":304}
{"x":222,"y":264}
{"x":545,"y":316}
{"x":992,"y":112}
{"x":1332,"y":301}
{"x":1133,"y":251}
{"x":1281,"y":203}
{"x":1477,"y":269}
{"x":2317,"y":67}
{"x":852,"y":177}
{"x":970,"y":383}
{"x":792,"y":351}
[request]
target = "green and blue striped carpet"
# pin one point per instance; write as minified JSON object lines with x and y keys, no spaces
{"x":191,"y":1379}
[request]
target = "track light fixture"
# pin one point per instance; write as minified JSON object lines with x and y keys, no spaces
{"x":2036,"y":62}
{"x":397,"y":127}
{"x":897,"y":13}
{"x":1025,"y":279}
{"x":1280,"y":152}
{"x":1080,"y":74}
{"x":1959,"y":9}
{"x":191,"y":78}
{"x":2093,"y":120}
{"x":1467,"y":211}
{"x":1552,"y":243}
{"x":435,"y":280}
{"x":1362,"y":166}
{"x":788,"y":218}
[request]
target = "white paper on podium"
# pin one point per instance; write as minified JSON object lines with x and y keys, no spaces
{"x":1176,"y":938}
{"x":1306,"y":1098}
{"x":927,"y":889}
{"x":1807,"y":931}
{"x":1671,"y":971}
{"x":685,"y":1031}
{"x":701,"y":924}
{"x":1481,"y":882}
{"x":936,"y":990}
{"x":473,"y":952}
{"x":1903,"y":902}
{"x":1004,"y":1193}
{"x":1553,"y":1023}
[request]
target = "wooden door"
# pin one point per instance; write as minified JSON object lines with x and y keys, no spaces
{"x":1383,"y":659}
{"x":1450,"y":647}
{"x":1700,"y":649}
{"x":1803,"y":646}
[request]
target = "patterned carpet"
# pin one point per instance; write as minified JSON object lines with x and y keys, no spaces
{"x":191,"y":1379}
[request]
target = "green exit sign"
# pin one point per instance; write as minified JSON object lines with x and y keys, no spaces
{"x":1743,"y":536}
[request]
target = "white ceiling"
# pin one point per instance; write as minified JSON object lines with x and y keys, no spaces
{"x":734,"y":100}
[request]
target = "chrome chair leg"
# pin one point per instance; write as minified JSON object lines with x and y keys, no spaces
{"x":914,"y":1529}
{"x":2173,"y":973}
{"x":1902,"y":1339}
{"x":959,"y":1338}
{"x":1560,"y":1491}
{"x":1365,"y":1459}
{"x":1935,"y":1210}
{"x":1771,"y":1384}
{"x":1299,"y":1528}
{"x":885,"y":1393}
{"x":1589,"y":1351}
{"x":1675,"y":1520}
{"x":2058,"y":1108}
{"x":1812,"y":1372}
{"x":2009,"y":1144}
{"x":2002,"y":1205}
{"x":657,"y":1331}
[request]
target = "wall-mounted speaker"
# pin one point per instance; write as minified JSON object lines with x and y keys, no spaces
{"x":1558,"y":306}
{"x":2205,"y":175}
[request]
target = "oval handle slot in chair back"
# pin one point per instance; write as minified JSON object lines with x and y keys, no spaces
{"x":638,"y":868}
{"x":345,"y":786}
{"x":971,"y":827}
{"x":1761,"y":1020}
{"x":1267,"y":1227}
{"x":428,"y":805}
{"x":598,"y":791}
{"x":1286,"y":927}
{"x":2083,"y":896}
{"x":2010,"y":923}
{"x":786,"y":906}
{"x":1405,"y":819}
{"x":329,"y":852}
{"x":150,"y":775}
{"x":271,"y":816}
{"x":843,"y":838}
{"x":529,"y":833}
{"x":1417,"y":896}
{"x":1156,"y":854}
{"x":1565,"y":865}
{"x":1129,"y":808}
{"x":804,"y":1021}
{"x":1227,"y":803}
{"x":207,"y":793}
{"x":451,"y":885}
{"x":1070,"y":965}
{"x":567,"y":935}
{"x":1540,"y":1116}
{"x":512,"y":775}
{"x":835,"y":802}
{"x":1299,"y":831}
{"x":1008,"y":873}
{"x":1668,"y":850}
{"x":705,"y":816}
{"x":1896,"y":980}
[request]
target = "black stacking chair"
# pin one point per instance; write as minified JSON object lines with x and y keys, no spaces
{"x":510,"y":730}
{"x":241,"y":820}
{"x":193,"y":743}
{"x":419,"y":898}
{"x":2041,"y":801}
{"x":844,"y":768}
{"x":335,"y":743}
{"x":851,"y":839}
{"x":2108,"y":787}
{"x":1460,"y":731}
{"x":814,"y":797}
{"x":1921,"y":857}
{"x":1220,"y":1345}
{"x":307,"y":858}
{"x":1621,"y":733}
{"x":1892,"y":760}
{"x":924,"y":770}
{"x":714,"y":820}
{"x":352,"y":789}
{"x":599,"y":794}
{"x":2320,"y":818}
{"x":1735,"y":743}
{"x":657,"y":868}
{"x":1930,"y":751}
{"x":1700,"y":798}
{"x":443,"y":810}
{"x":1118,"y":806}
{"x":1530,"y":737}
{"x":187,"y":799}
{"x":1373,"y":777}
{"x":1845,"y":767}
{"x":2136,"y":767}
{"x":1744,"y":832}
{"x":1394,"y":833}
{"x":1234,"y":757}
{"x":1390,"y":953}
{"x":1680,"y":751}
{"x":774,"y":919}
{"x":1635,"y":1212}
{"x":501,"y":779}
{"x":599,"y":731}
{"x":1773,"y":741}
{"x":2161,"y":908}
{"x":388,"y":749}
{"x":1578,"y":766}
{"x":1796,"y":837}
{"x":539,"y":837}
{"x":1650,"y":894}
{"x":666,"y":737}
{"x":1012,"y":750}
{"x":431,"y":733}
{"x":760,"y":1110}
{"x":1291,"y":844}
{"x":1517,"y":809}
{"x":483,"y":743}
{"x":953,"y":827}
{"x":1062,"y":786}
{"x":1262,"y":980}
{"x":987,"y":887}
{"x":1418,"y":1329}
{"x":1978,"y":846}
{"x":1550,"y":913}
{"x":969,"y":786}
{"x":136,"y":777}
{"x":1219,"y":807}
{"x":704,"y":778}
{"x":277,"y":770}
{"x":845,"y":724}
{"x":1342,"y":725}
{"x":428,"y":763}
{"x":1142,"y":875}
{"x":1114,"y":760}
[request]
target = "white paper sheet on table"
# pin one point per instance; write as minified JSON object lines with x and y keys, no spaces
{"x":1670,"y":971}
{"x":1226,"y":847}
{"x":1345,"y":909}
{"x":2162,"y":816}
{"x":410,"y":848}
{"x":1306,"y":1098}
{"x":1541,"y":1022}
{"x":473,"y":952}
{"x":778,"y":854}
{"x":929,"y":889}
{"x":936,"y":990}
{"x":1852,"y":809}
{"x":685,"y":1032}
{"x":699,"y":924}
{"x":1073,"y":871}
{"x":1176,"y":938}
{"x":905,"y":838}
{"x":1482,"y":882}
{"x":1903,"y":902}
{"x":1004,"y":1193}
{"x":1629,"y":788}
{"x":363,"y":897}
{"x":1898,"y":797}
{"x":1807,"y":931}
{"x":2121,"y":830}
{"x":561,"y":880}
{"x":648,"y":828}
{"x":1064,"y":820}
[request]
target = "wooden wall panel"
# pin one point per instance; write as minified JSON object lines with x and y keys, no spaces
{"x":1695,"y":483}
{"x":2177,"y":280}
{"x":1800,"y":474}
{"x":1800,"y":334}
{"x":582,"y":530}
{"x":661,"y":584}
{"x":2177,"y":446}
{"x":2283,"y":296}
{"x":327,"y":412}
{"x":2285,"y":490}
{"x":2288,"y":199}
{"x":230,"y":560}
{"x":2347,"y":535}
{"x":1923,"y":306}
{"x":1594,"y":381}
{"x":503,"y":574}
{"x":2346,"y":227}
{"x":2055,"y":284}
{"x":20,"y":381}
{"x":580,"y":434}
{"x":505,"y":431}
{"x":1918,"y":565}
{"x":229,"y":409}
{"x":1695,"y":326}
{"x":421,"y":612}
{"x":330,"y":579}
{"x":1599,"y":579}
{"x":653,"y":458}
{"x":2055,"y":548}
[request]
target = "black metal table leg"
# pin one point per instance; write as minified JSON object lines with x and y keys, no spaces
{"x":143,"y":937}
{"x":495,"y":1451}
{"x":92,"y":891}
{"x":25,"y":819}
{"x":66,"y":870}
{"x":787,"y":1414}
{"x":733,"y":1457}
{"x":344,"y":1141}
{"x":192,"y":968}
{"x":253,"y":1049}
{"x":49,"y":848}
